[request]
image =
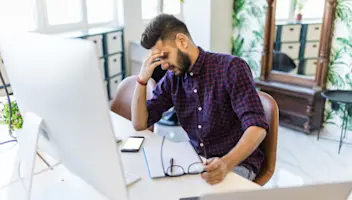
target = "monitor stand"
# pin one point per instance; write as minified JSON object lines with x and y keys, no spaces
{"x":26,"y":155}
{"x":23,"y":170}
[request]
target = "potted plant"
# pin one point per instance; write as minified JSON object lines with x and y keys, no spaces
{"x":16,"y":117}
{"x":298,"y":5}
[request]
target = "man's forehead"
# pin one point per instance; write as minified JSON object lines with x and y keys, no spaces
{"x":161,"y":46}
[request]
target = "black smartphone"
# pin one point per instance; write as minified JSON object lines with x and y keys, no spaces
{"x":133,"y":144}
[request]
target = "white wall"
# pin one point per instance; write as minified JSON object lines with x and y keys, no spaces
{"x":210,"y":23}
{"x":196,"y":15}
{"x":133,"y":25}
{"x":221,"y":25}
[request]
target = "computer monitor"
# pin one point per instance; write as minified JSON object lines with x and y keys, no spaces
{"x":58,"y":79}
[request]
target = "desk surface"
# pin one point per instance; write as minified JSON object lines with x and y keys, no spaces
{"x":146,"y":188}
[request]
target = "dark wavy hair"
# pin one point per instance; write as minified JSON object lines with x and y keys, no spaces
{"x":164,"y":27}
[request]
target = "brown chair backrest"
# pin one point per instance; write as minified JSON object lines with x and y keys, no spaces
{"x":269,"y":145}
{"x":122,"y":102}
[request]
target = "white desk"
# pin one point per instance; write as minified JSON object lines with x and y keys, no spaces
{"x":146,"y":188}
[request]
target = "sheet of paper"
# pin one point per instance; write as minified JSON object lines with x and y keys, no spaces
{"x":182,"y":153}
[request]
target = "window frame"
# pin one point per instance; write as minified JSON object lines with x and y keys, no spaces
{"x":160,"y":10}
{"x":292,"y":14}
{"x":43,"y":26}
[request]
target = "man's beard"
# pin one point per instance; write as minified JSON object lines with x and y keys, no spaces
{"x":184,"y":63}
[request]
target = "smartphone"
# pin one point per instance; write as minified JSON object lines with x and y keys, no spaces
{"x":133,"y":144}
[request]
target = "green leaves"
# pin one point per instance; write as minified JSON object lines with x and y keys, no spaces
{"x":237,"y":46}
{"x":344,"y":11}
{"x":340,"y":66}
{"x":345,"y":41}
{"x":17,"y":120}
{"x":237,"y":18}
{"x":248,"y":31}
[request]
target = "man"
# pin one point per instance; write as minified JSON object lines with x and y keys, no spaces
{"x":213,"y":95}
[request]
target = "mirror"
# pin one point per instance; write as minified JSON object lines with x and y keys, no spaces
{"x":297,"y":32}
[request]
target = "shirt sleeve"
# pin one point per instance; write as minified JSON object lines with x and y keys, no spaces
{"x":161,"y":100}
{"x":244,"y":97}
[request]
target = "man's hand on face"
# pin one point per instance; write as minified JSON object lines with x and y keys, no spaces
{"x":215,"y":170}
{"x":149,"y":65}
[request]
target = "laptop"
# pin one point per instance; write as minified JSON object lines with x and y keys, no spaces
{"x":329,"y":191}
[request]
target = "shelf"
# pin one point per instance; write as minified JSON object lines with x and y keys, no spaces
{"x":90,"y":32}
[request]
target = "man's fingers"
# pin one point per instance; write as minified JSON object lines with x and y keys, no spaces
{"x":210,"y":160}
{"x":153,"y":57}
{"x":212,"y":166}
{"x":157,"y":63}
{"x":204,"y":175}
{"x":214,"y":173}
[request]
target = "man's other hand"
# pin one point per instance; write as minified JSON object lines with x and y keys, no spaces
{"x":216,"y":170}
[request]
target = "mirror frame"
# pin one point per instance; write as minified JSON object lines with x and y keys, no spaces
{"x":324,"y":50}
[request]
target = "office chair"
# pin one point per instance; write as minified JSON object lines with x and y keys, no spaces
{"x":122,"y":102}
{"x":282,"y":62}
{"x":269,"y":145}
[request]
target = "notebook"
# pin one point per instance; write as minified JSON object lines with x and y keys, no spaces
{"x":182,"y":153}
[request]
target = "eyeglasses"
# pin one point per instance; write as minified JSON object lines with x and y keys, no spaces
{"x":176,"y":170}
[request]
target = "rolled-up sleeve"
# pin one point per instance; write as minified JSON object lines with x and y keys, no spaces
{"x":161,"y":100}
{"x":244,"y":97}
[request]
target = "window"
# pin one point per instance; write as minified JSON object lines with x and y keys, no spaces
{"x":172,"y":7}
{"x":16,"y":17}
{"x":52,"y":16}
{"x":100,"y":11}
{"x":64,"y":15}
{"x":283,"y":9}
{"x":64,"y":11}
{"x":151,"y":8}
{"x":313,"y":9}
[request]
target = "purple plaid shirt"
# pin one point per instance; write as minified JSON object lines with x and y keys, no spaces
{"x":215,"y":103}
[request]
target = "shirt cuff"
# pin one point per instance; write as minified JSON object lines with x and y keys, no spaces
{"x":255,"y":120}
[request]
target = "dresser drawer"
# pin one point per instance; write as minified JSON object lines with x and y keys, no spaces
{"x":102,"y":68}
{"x":310,"y":67}
{"x":114,"y":83}
{"x":291,"y":49}
{"x":313,"y":32}
{"x":114,"y":65}
{"x":98,"y":40}
{"x":311,"y":50}
{"x":290,"y":33}
{"x":114,"y":42}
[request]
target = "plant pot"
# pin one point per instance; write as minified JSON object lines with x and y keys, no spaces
{"x":299,"y":17}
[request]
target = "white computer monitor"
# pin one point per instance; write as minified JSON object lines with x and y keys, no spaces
{"x":59,"y":81}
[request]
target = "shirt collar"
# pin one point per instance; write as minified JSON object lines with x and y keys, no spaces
{"x":197,"y":66}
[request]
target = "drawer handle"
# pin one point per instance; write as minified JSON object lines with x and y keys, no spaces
{"x":314,"y":45}
{"x":316,"y":28}
{"x":315,"y":63}
{"x":114,"y":38}
{"x":291,"y":29}
{"x":115,"y":60}
{"x":115,"y":81}
{"x":290,"y":47}
{"x":95,"y":41}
